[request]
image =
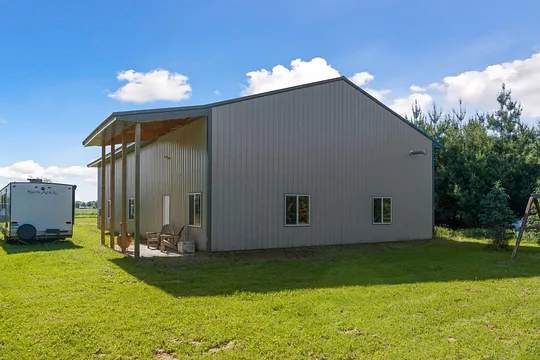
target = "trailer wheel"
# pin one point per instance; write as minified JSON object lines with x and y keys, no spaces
{"x":26,"y":232}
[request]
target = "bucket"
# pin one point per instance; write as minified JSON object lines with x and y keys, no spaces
{"x":186,"y":247}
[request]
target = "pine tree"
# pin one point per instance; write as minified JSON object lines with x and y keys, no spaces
{"x":534,"y":218}
{"x":496,"y":215}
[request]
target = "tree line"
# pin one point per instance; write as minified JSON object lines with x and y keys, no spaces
{"x":481,"y":153}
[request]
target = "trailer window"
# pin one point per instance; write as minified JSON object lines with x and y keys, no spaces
{"x":131,"y":208}
{"x":3,"y":206}
{"x":194,"y":209}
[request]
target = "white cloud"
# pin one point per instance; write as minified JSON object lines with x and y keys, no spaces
{"x":403,"y":105}
{"x":362,"y":78}
{"x":85,"y":178}
{"x":154,"y":85}
{"x":479,"y":89}
{"x":302,"y":72}
{"x":416,"y":88}
{"x":279,"y":77}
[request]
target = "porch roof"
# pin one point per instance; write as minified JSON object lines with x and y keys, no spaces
{"x":154,"y":123}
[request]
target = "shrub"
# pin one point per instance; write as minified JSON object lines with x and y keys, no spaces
{"x":495,"y":214}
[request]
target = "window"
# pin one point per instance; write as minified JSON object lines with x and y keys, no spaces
{"x":194,"y":209}
{"x":108,"y":209}
{"x":382,"y":210}
{"x":3,"y":206}
{"x":297,"y":210}
{"x":131,"y":208}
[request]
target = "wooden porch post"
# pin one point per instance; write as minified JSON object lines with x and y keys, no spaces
{"x":124,"y":227}
{"x":103,"y":200}
{"x":112,"y":195}
{"x":137,"y":189}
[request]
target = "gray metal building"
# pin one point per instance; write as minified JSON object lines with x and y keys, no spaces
{"x":317,"y":164}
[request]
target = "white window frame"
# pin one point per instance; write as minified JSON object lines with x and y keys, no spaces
{"x":382,"y":210}
{"x":129,"y":206}
{"x":200,"y":209}
{"x":297,"y":210}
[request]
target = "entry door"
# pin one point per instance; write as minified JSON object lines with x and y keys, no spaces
{"x":166,"y":209}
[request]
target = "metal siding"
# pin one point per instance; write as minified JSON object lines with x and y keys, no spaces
{"x":329,"y":141}
{"x":183,"y":173}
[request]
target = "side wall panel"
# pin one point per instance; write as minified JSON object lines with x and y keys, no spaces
{"x":329,"y":141}
{"x":174,"y":165}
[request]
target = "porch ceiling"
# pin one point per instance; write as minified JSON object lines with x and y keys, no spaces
{"x":154,"y":124}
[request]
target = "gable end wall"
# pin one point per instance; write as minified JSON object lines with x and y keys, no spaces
{"x":329,"y":141}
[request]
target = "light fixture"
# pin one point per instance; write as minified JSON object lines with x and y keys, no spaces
{"x":417,"y":152}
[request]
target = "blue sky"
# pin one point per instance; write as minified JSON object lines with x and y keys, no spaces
{"x":60,"y":59}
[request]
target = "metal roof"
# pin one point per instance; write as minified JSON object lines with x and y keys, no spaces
{"x":126,"y":118}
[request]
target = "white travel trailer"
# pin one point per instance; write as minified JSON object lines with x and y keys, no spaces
{"x":37,"y":210}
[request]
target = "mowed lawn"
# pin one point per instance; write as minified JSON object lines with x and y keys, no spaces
{"x":449,"y":298}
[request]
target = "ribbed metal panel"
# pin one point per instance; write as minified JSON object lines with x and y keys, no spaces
{"x":174,"y":165}
{"x":329,"y":141}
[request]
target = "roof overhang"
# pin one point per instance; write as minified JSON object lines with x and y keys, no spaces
{"x":154,"y":123}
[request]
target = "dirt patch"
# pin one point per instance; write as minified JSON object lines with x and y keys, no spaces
{"x":315,"y":356}
{"x":161,"y":354}
{"x":227,"y":345}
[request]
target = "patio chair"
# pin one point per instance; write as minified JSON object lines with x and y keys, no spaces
{"x":153,"y":239}
{"x":170,"y":241}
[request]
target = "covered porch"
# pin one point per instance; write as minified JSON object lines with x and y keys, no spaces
{"x":120,"y":134}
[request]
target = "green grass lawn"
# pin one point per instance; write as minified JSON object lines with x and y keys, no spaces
{"x":82,"y":213}
{"x":448,"y":298}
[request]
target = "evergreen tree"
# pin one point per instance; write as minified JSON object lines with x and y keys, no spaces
{"x":534,"y":218}
{"x":496,"y":215}
{"x":475,"y":152}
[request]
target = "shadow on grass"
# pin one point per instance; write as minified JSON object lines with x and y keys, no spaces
{"x":438,"y":260}
{"x":37,"y":246}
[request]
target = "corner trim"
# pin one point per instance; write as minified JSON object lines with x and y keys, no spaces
{"x":209,"y":181}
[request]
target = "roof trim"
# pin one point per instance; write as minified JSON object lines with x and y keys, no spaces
{"x":149,"y":115}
